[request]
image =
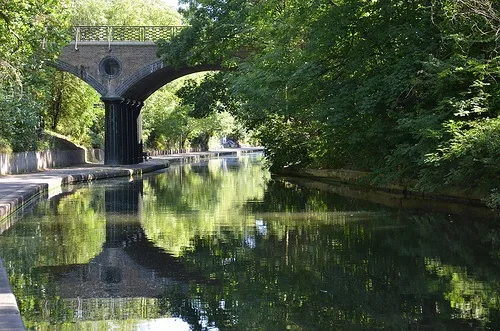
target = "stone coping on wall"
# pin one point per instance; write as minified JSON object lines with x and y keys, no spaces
{"x":17,"y":190}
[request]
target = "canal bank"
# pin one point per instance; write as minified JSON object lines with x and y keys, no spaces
{"x":21,"y":191}
{"x":361,"y":180}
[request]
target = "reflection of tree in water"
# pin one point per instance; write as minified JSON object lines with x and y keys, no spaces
{"x":71,"y":230}
{"x":126,"y":266}
{"x":183,"y":202}
{"x":185,"y":189}
{"x":336,"y":269}
{"x":358,"y":274}
{"x":206,"y":185}
{"x":68,"y":229}
{"x":283,"y":196}
{"x":269,"y":257}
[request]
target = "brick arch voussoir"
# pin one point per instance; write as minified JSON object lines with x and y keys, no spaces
{"x":80,"y":73}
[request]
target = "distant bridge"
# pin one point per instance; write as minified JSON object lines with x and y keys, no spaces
{"x":121,"y":63}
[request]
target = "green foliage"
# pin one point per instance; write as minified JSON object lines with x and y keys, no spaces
{"x":493,"y":199}
{"x":174,"y":123}
{"x":290,"y":142}
{"x":471,"y":154}
{"x":25,"y":26}
{"x":208,"y":96}
{"x":20,"y":123}
{"x":74,"y":110}
{"x":5,"y":146}
{"x":371,"y":85}
{"x":120,"y":12}
{"x":216,"y":30}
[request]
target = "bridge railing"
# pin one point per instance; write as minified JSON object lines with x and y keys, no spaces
{"x":124,"y":33}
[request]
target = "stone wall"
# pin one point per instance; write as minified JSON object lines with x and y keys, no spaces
{"x":18,"y":163}
{"x":344,"y":175}
{"x":95,"y":155}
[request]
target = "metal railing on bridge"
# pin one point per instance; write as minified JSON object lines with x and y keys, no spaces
{"x":124,"y":33}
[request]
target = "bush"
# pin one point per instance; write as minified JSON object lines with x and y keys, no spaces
{"x":470,"y":158}
{"x":5,"y":147}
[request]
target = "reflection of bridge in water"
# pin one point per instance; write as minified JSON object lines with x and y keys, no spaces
{"x":129,"y":266}
{"x":121,"y":63}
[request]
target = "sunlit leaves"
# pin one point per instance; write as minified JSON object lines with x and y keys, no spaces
{"x":209,"y":96}
{"x":471,"y":153}
{"x":119,"y":12}
{"x":74,"y":109}
{"x":370,"y":85}
{"x":31,"y":33}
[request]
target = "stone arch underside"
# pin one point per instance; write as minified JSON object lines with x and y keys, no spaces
{"x":78,"y":72}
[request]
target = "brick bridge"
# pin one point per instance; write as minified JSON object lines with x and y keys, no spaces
{"x":121,"y":64}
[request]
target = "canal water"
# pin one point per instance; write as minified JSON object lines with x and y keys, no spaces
{"x":221,"y":245}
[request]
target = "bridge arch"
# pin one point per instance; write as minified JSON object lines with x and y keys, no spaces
{"x":125,"y":82}
{"x":153,"y":76}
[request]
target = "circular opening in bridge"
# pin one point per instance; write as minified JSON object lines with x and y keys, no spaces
{"x":110,"y":66}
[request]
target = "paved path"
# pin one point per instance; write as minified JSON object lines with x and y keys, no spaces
{"x":16,"y":191}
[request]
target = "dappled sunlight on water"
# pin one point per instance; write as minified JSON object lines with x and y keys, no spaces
{"x":221,"y":245}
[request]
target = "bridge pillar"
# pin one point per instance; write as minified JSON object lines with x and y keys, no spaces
{"x":123,"y":131}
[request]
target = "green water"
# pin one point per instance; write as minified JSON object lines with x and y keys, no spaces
{"x":222,"y":246}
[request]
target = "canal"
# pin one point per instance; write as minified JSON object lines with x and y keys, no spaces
{"x":221,"y":245}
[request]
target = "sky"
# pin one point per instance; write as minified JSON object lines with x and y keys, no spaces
{"x":172,"y":3}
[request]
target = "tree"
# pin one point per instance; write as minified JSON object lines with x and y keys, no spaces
{"x":164,"y":121}
{"x":25,"y":26}
{"x":120,"y":12}
{"x":74,"y":110}
{"x":173,"y":122}
{"x":391,"y":87}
